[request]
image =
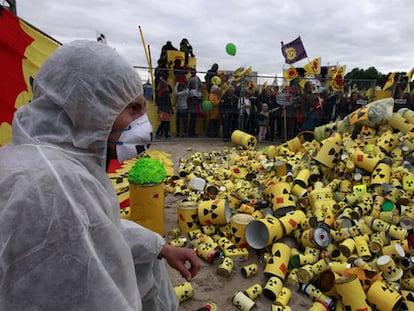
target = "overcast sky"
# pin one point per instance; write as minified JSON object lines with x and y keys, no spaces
{"x":355,"y":33}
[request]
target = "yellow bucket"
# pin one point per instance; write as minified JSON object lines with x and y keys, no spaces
{"x":216,"y":212}
{"x":263,"y":232}
{"x":184,"y":291}
{"x":398,"y":122}
{"x":238,"y":224}
{"x":188,"y":216}
{"x":385,"y":298}
{"x":147,"y":206}
{"x":278,"y":263}
{"x":352,"y":293}
{"x":243,"y":139}
{"x":329,"y":154}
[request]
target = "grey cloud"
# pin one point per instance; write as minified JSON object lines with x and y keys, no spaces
{"x":371,"y":33}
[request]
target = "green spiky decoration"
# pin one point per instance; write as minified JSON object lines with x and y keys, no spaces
{"x":147,"y":171}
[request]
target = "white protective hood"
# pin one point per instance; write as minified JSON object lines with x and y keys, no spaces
{"x":62,"y":244}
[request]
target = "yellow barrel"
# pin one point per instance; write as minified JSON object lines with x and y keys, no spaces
{"x":243,"y":139}
{"x":188,"y":216}
{"x":147,"y":206}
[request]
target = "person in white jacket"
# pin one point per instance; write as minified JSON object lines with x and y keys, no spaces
{"x":63,"y":245}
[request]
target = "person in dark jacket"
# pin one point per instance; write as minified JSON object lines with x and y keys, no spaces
{"x":212,"y":72}
{"x":164,"y":50}
{"x":187,"y":49}
{"x":309,"y":113}
{"x":165,"y":110}
{"x":161,"y":72}
{"x":180,"y":72}
{"x":229,"y":112}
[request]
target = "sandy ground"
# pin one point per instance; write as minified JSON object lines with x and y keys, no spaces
{"x":208,"y":286}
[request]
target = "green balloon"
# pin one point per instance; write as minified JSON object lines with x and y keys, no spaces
{"x":206,"y":105}
{"x":231,"y":49}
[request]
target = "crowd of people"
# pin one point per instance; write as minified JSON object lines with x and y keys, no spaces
{"x":236,"y":103}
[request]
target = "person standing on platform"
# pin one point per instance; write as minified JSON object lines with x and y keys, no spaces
{"x":168,"y":46}
{"x":187,"y":49}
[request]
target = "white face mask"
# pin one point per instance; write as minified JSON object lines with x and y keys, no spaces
{"x":134,"y":139}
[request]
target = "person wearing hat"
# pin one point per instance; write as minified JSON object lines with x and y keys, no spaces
{"x":63,"y":245}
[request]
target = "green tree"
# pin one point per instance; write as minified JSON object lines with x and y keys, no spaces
{"x":368,"y":74}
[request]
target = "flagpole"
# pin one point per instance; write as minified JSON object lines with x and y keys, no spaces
{"x":284,"y":121}
{"x":143,"y":44}
{"x":151,"y":70}
{"x":147,"y":55}
{"x":307,"y":57}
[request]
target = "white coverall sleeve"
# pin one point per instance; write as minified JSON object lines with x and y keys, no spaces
{"x":152,"y":278}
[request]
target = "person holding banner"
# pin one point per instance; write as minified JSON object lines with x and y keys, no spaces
{"x":63,"y":245}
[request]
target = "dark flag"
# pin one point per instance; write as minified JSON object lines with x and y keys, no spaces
{"x":293,"y":51}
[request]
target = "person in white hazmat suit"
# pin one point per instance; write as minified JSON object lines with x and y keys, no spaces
{"x":63,"y":245}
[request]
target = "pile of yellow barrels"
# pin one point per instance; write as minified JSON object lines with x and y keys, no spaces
{"x":331,"y":212}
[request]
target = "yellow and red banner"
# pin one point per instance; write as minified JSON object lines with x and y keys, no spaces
{"x":337,"y":81}
{"x":313,"y":67}
{"x":290,"y":74}
{"x":390,"y":81}
{"x":409,"y":78}
{"x":23,"y":49}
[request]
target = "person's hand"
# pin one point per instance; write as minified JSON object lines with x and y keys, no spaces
{"x":177,"y":257}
